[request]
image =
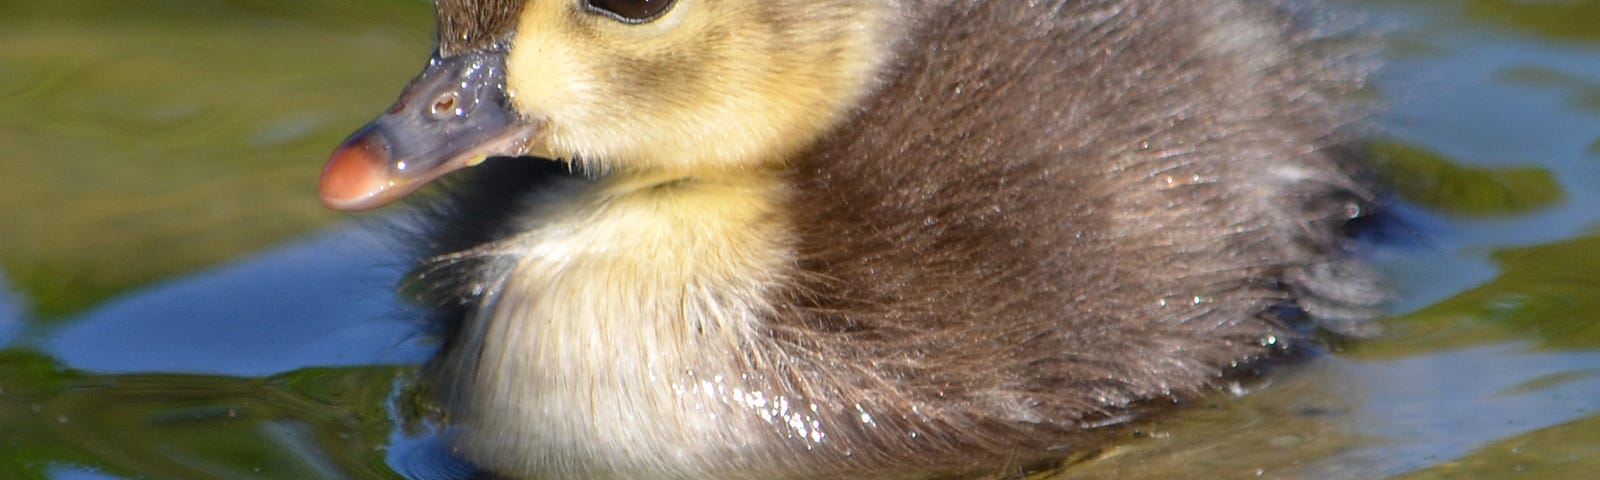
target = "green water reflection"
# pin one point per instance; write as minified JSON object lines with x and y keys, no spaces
{"x":149,"y":141}
{"x":1548,"y":296}
{"x":314,"y":423}
{"x":1435,"y":182}
{"x":1566,"y":20}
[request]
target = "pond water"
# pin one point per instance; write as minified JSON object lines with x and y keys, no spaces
{"x":175,"y":304}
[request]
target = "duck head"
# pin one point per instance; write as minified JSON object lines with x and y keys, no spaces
{"x":685,"y":86}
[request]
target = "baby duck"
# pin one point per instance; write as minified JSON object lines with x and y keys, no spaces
{"x":858,"y":238}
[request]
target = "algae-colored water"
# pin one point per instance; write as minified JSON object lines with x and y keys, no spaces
{"x":175,"y":304}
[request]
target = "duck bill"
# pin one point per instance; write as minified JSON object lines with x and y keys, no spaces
{"x":452,"y":116}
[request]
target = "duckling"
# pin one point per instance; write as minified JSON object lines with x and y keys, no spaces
{"x":859,"y":238}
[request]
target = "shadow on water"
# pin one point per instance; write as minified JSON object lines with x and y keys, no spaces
{"x":170,"y":309}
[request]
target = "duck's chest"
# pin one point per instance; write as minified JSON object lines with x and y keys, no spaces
{"x":621,"y":324}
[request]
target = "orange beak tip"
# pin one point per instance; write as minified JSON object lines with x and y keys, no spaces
{"x":355,"y":178}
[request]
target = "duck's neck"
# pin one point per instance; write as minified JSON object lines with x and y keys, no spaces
{"x":625,"y":311}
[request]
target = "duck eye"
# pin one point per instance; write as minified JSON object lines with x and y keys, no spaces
{"x":631,"y":11}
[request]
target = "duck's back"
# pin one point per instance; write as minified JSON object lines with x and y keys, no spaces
{"x":1113,"y":202}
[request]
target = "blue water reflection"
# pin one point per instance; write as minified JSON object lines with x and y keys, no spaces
{"x":10,"y":312}
{"x":76,"y":473}
{"x":1430,"y":409}
{"x":1458,"y":103}
{"x":1453,"y":98}
{"x":324,"y":301}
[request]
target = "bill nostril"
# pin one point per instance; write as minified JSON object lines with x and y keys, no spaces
{"x":445,"y":105}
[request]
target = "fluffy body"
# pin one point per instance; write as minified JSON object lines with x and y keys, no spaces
{"x":884,"y":237}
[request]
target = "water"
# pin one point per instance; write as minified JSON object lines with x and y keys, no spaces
{"x":175,"y":304}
